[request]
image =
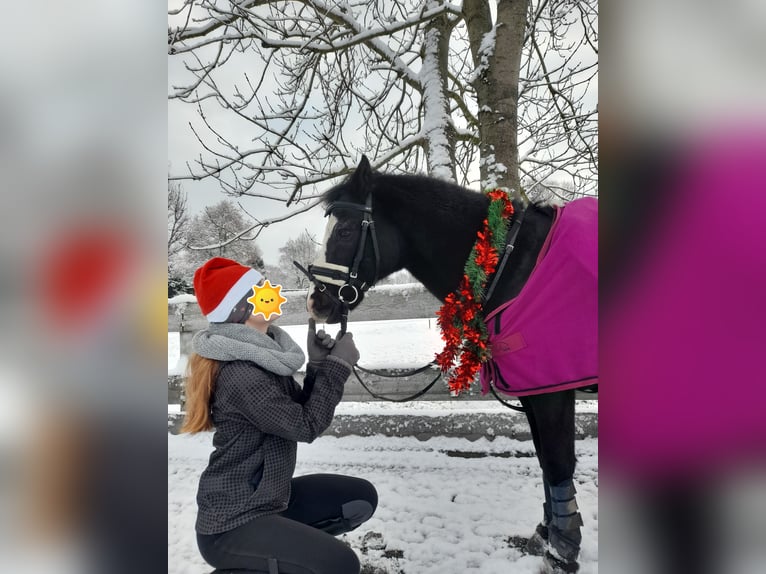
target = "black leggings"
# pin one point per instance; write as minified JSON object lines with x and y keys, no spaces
{"x":299,"y":540}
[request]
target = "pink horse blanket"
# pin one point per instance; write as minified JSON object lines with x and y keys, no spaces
{"x":546,"y":338}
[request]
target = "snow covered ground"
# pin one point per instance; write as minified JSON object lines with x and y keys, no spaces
{"x":402,"y":344}
{"x":439,"y":513}
{"x":425,"y":408}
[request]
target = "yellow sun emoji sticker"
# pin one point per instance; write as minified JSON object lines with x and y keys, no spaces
{"x":267,"y":300}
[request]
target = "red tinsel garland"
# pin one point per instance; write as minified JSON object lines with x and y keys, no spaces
{"x":461,"y":317}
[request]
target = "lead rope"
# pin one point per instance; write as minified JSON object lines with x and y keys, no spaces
{"x":420,"y":393}
{"x":509,"y":246}
{"x":504,"y":402}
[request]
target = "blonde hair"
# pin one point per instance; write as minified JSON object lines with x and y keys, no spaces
{"x":200,"y":382}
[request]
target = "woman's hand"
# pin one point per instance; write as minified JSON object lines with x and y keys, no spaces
{"x":345,"y":349}
{"x":318,"y":344}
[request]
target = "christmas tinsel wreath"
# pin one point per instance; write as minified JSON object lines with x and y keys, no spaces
{"x":461,"y":317}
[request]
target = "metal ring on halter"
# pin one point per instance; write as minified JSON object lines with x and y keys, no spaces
{"x":342,"y":298}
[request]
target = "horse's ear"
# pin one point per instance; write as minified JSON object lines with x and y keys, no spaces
{"x":364,"y":165}
{"x":361,"y":178}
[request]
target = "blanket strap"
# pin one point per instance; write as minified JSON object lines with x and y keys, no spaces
{"x":509,"y":245}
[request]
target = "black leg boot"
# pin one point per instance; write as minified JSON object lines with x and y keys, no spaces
{"x":564,"y":536}
{"x":539,"y":540}
{"x":353,"y":514}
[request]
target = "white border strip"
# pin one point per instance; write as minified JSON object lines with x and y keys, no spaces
{"x":325,"y":278}
{"x":237,"y":291}
{"x":321,"y":260}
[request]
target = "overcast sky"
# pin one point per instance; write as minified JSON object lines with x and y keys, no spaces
{"x":183,"y":146}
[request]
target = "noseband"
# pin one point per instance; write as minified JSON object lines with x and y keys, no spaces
{"x":347,"y":277}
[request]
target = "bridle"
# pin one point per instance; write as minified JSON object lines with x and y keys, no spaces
{"x":350,"y":286}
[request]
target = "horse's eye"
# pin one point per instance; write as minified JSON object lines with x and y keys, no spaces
{"x":344,"y":233}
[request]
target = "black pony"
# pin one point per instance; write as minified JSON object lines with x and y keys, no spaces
{"x":381,"y":223}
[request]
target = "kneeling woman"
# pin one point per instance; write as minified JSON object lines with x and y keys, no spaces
{"x":253,"y":515}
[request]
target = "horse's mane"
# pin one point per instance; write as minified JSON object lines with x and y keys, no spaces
{"x":408,"y":181}
{"x":431,"y":191}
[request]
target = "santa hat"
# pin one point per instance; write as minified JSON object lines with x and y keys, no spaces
{"x":220,"y":284}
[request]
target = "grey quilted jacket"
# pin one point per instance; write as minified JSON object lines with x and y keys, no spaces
{"x":259,"y":417}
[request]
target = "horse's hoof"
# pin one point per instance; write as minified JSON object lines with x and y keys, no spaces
{"x":518,"y":542}
{"x":554,"y":565}
{"x":538,"y":542}
{"x":535,"y":545}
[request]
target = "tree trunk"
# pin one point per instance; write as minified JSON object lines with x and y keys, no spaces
{"x":437,"y":124}
{"x":497,"y":86}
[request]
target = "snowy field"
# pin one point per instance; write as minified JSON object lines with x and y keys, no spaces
{"x":438,"y":513}
{"x":402,"y":344}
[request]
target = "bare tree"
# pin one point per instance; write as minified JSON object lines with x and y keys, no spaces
{"x":558,"y":119}
{"x":302,"y":249}
{"x":220,"y":231}
{"x":277,"y":275}
{"x":472,"y":96}
{"x":178,"y":221}
{"x":178,"y":230}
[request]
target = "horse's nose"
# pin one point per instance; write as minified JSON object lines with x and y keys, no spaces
{"x":310,"y":306}
{"x":318,"y":305}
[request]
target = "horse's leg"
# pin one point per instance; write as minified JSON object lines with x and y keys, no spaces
{"x":552,"y":418}
{"x":539,"y":540}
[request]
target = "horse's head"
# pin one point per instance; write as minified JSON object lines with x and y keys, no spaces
{"x":349,"y":260}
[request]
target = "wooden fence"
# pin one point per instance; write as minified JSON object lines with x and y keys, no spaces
{"x":386,"y":302}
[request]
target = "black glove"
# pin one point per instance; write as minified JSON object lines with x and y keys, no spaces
{"x":318,"y":345}
{"x":345,"y":349}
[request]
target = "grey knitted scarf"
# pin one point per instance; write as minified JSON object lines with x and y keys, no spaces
{"x":233,"y":342}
